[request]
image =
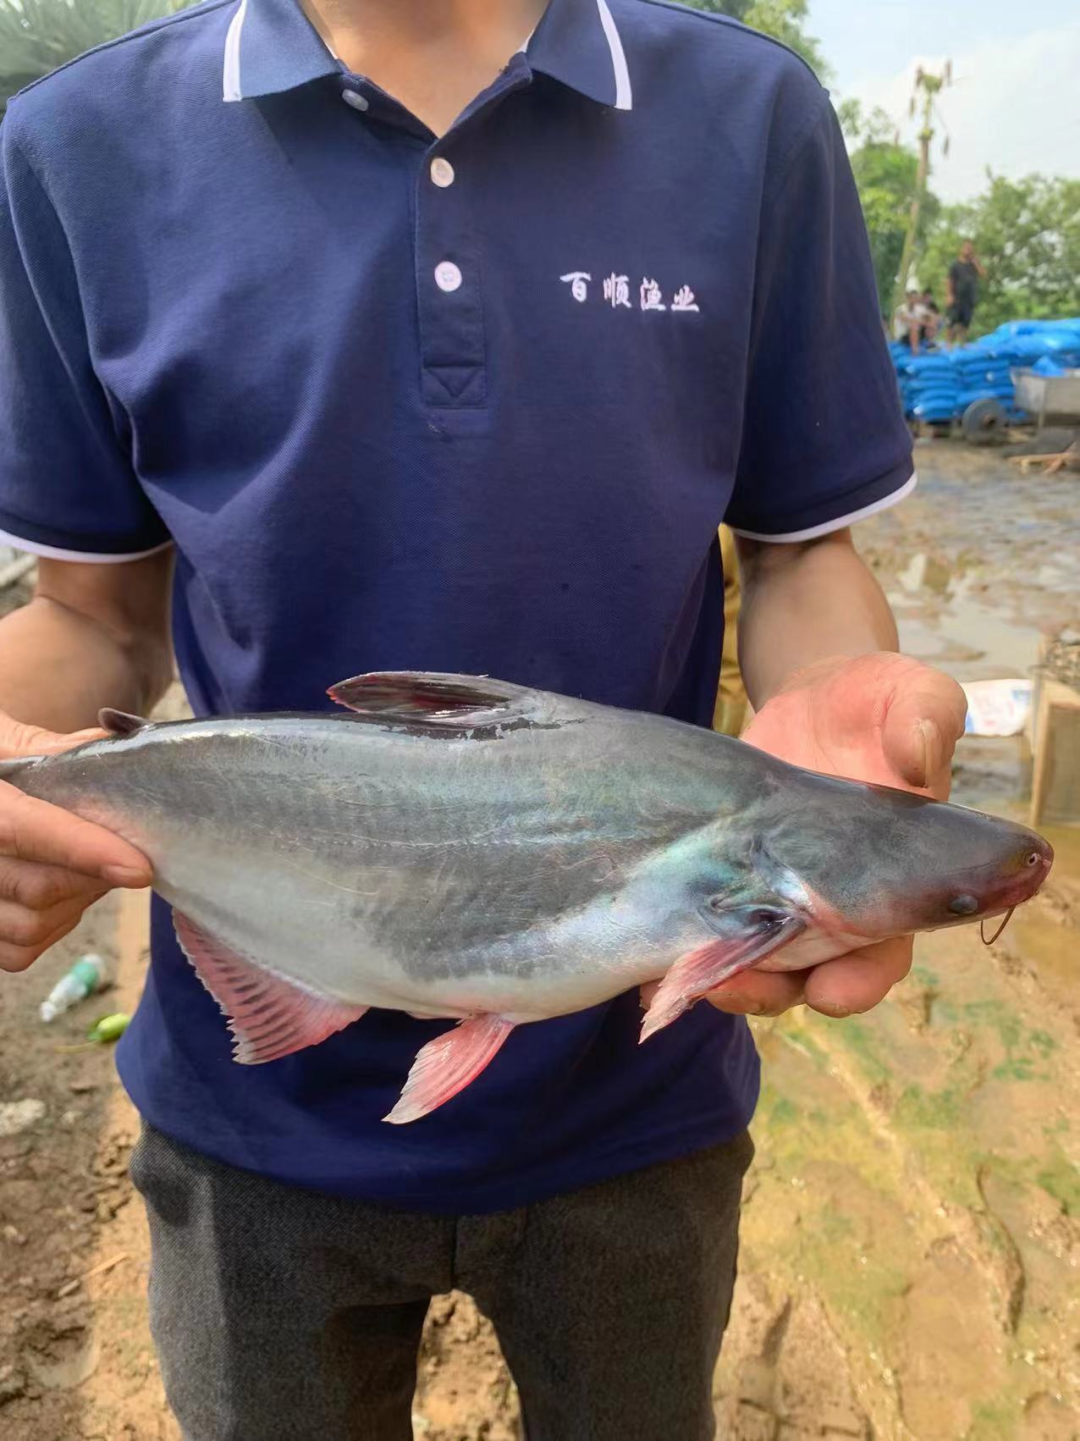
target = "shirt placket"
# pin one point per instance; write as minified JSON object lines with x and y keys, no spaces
{"x":449,"y":260}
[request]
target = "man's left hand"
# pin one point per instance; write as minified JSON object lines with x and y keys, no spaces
{"x":883,"y":718}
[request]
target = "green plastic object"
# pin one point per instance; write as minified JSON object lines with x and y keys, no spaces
{"x":87,"y":973}
{"x":109,"y":1028}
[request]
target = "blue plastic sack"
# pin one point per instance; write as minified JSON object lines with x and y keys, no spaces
{"x":1047,"y":366}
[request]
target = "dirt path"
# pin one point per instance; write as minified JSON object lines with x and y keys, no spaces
{"x":911,"y":1256}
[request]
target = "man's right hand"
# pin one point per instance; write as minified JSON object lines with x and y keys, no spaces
{"x":52,"y":864}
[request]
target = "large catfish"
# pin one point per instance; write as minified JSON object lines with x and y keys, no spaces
{"x":464,"y":848}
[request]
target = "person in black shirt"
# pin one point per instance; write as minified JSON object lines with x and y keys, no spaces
{"x":962,"y":287}
{"x":932,"y":320}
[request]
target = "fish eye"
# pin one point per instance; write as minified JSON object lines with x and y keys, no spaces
{"x":1031,"y":859}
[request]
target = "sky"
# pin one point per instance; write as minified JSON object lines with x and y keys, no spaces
{"x":1015,"y":101}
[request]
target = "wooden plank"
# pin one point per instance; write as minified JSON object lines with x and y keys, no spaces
{"x":1055,"y":781}
{"x":1065,"y":458}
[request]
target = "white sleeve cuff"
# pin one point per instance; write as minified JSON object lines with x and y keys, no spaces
{"x":54,"y":552}
{"x":839,"y":523}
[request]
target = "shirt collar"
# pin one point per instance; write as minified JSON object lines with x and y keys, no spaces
{"x":577,"y":42}
{"x":272,"y":46}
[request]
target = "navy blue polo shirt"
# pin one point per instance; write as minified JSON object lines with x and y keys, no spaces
{"x":473,"y":403}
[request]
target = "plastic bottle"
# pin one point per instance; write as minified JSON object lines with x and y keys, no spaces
{"x":86,"y":976}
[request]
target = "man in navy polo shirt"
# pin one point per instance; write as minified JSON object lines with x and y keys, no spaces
{"x":377,"y":334}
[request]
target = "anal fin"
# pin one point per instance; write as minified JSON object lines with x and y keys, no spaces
{"x":447,"y":1065}
{"x":747,"y":934}
{"x":269,"y":1014}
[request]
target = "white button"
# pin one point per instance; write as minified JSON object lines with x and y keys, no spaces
{"x":447,"y":275}
{"x":442,"y":172}
{"x":358,"y":102}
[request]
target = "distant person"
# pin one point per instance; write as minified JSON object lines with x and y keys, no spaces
{"x":931,"y":323}
{"x":962,"y":292}
{"x":909,"y":319}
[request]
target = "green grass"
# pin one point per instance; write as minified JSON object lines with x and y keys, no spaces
{"x":917,"y":1109}
{"x":866,"y":1046}
{"x":1061,"y":1179}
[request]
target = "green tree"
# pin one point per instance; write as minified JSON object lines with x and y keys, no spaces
{"x":784,"y":19}
{"x":885,"y":175}
{"x":38,"y":35}
{"x":1027,"y":236}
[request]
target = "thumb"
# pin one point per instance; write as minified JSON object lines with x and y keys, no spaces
{"x":922,"y":725}
{"x":17,"y":739}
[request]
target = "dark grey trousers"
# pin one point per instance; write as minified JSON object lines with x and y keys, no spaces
{"x":282,"y":1315}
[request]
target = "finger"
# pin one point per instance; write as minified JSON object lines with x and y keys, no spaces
{"x":41,"y":887}
{"x":18,"y":958}
{"x":922,"y":726}
{"x":759,"y":993}
{"x":17,"y":739}
{"x":752,"y":993}
{"x":856,"y":982}
{"x":24,"y":928}
{"x":31,"y":830}
{"x":47,"y":743}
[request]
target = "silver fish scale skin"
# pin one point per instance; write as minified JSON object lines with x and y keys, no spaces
{"x":526,"y":869}
{"x":394,"y":868}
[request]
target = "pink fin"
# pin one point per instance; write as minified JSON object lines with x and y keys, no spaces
{"x":270,"y":1015}
{"x":755,"y":932}
{"x":447,"y":1064}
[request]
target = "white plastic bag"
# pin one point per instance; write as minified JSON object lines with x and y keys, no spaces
{"x":997,"y":707}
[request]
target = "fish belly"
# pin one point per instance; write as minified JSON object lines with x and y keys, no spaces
{"x":329,"y":932}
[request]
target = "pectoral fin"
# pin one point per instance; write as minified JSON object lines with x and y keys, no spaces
{"x":269,"y":1014}
{"x":747,"y":934}
{"x":447,"y":1065}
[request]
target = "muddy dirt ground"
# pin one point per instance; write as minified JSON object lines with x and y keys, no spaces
{"x":911,"y":1254}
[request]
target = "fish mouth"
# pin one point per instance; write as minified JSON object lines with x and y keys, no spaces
{"x":1023,"y":889}
{"x":1026,"y":883}
{"x":984,"y":902}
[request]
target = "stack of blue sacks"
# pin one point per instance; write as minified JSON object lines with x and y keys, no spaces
{"x":937,"y":386}
{"x":929,"y":383}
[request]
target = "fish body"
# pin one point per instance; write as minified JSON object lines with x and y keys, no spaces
{"x":467,"y":849}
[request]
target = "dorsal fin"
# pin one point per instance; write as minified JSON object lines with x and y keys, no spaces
{"x":120,"y":722}
{"x":453,"y":701}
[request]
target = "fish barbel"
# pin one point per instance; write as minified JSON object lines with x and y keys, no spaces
{"x":464,"y":848}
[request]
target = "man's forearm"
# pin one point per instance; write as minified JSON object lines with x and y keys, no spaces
{"x":58,"y":668}
{"x":805,"y":603}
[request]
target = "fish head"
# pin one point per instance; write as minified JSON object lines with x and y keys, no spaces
{"x":872,"y":862}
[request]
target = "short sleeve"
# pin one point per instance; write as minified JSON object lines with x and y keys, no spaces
{"x":824,"y":440}
{"x":67,"y":487}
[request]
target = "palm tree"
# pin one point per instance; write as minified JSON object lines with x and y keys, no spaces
{"x":38,"y":35}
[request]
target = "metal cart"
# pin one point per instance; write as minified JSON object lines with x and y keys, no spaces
{"x":1043,"y":395}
